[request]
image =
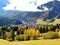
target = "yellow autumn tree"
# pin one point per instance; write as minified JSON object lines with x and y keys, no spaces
{"x":37,"y":33}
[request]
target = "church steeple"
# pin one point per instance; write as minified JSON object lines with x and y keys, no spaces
{"x":15,"y":8}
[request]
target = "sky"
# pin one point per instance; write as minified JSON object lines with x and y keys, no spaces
{"x":25,"y":5}
{"x":3,"y":3}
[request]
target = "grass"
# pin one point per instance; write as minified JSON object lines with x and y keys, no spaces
{"x":31,"y":42}
{"x":57,"y":21}
{"x":40,"y":21}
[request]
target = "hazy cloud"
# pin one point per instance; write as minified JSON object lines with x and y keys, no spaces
{"x":25,"y":5}
{"x":3,"y":3}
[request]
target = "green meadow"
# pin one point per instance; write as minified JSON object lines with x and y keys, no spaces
{"x":31,"y":42}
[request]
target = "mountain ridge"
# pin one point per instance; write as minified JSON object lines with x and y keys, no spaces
{"x":50,"y":15}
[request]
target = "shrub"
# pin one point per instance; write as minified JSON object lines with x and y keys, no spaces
{"x":59,"y":34}
{"x":31,"y":38}
{"x":16,"y":38}
{"x":0,"y":30}
{"x":25,"y":37}
{"x":50,"y":35}
{"x":9,"y":38}
{"x":26,"y":34}
{"x":21,"y":37}
{"x":31,"y":34}
{"x":49,"y":28}
{"x":8,"y":29}
{"x":57,"y":30}
{"x":37,"y":33}
{"x":0,"y":37}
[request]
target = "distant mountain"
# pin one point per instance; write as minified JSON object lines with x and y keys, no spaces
{"x":6,"y":21}
{"x":8,"y":17}
{"x":52,"y":15}
{"x":53,"y":10}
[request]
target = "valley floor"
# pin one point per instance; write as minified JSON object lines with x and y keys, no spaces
{"x":31,"y":42}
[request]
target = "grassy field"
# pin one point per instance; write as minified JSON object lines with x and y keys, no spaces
{"x":57,"y":21}
{"x":31,"y":42}
{"x":40,"y":21}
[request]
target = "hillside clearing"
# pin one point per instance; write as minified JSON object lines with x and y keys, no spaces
{"x":40,"y":21}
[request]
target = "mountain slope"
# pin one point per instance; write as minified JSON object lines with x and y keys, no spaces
{"x":17,"y":17}
{"x":53,"y":9}
{"x":52,"y":15}
{"x":9,"y":16}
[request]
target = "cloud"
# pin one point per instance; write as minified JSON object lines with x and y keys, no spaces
{"x":3,"y":3}
{"x":25,"y":5}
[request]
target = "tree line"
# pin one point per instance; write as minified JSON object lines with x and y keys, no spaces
{"x":22,"y":33}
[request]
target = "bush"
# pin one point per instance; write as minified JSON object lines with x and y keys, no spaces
{"x":25,"y":37}
{"x":1,"y":37}
{"x":57,"y":30}
{"x":32,"y":33}
{"x":8,"y":29}
{"x":50,"y":35}
{"x":9,"y":38}
{"x":16,"y":37}
{"x":31,"y":38}
{"x":21,"y":37}
{"x":59,"y":34}
{"x":37,"y":33}
{"x":0,"y":30}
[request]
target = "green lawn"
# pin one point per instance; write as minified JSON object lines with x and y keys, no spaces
{"x":31,"y":42}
